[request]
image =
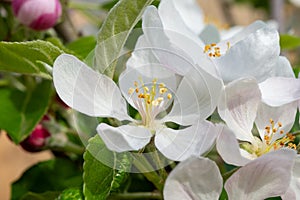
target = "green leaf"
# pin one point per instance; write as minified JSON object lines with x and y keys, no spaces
{"x":114,"y":32}
{"x":4,"y":28}
{"x":71,"y":194}
{"x":288,"y":42}
{"x":52,"y":175}
{"x":42,"y":196}
{"x":99,"y":178}
{"x":22,"y":110}
{"x":28,"y":57}
{"x":83,"y":46}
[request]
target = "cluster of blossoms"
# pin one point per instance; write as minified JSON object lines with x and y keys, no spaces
{"x":182,"y":72}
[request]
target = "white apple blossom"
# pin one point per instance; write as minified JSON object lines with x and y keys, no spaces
{"x":240,"y":107}
{"x":150,"y":89}
{"x":254,"y":51}
{"x":199,"y":178}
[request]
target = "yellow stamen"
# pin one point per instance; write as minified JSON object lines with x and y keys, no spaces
{"x":130,"y":91}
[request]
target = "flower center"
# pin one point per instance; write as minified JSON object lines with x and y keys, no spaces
{"x":212,"y":50}
{"x":274,"y":138}
{"x":149,"y":100}
{"x":286,"y":140}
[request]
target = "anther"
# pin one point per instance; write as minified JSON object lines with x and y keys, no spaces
{"x":130,"y":91}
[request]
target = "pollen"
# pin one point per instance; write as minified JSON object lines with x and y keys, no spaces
{"x":163,"y":90}
{"x":212,"y":50}
{"x":130,"y":91}
{"x":151,"y":99}
{"x":285,"y":141}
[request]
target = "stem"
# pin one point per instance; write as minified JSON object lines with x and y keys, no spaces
{"x":159,"y":165}
{"x":137,"y":195}
{"x":69,"y":147}
{"x":228,"y":174}
{"x":142,"y":164}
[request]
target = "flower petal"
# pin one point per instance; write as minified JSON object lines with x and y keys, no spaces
{"x":238,"y":107}
{"x":294,"y":190}
{"x":167,"y":53}
{"x":176,"y":51}
{"x":196,"y":97}
{"x":144,"y":66}
{"x":180,"y":15}
{"x":124,"y":138}
{"x":253,"y":53}
{"x":180,"y":144}
{"x":283,"y":68}
{"x":277,"y":91}
{"x":87,"y":91}
{"x":266,"y":176}
{"x":285,"y":114}
{"x":228,"y":148}
{"x":210,"y":34}
{"x":195,"y":178}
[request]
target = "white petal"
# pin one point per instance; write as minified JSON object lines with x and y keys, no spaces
{"x":145,"y":62}
{"x":294,"y":189}
{"x":255,"y":55}
{"x":293,"y":193}
{"x":246,"y":31}
{"x":296,"y":170}
{"x":283,"y":68}
{"x":196,"y":98}
{"x":210,"y":34}
{"x":277,"y":91}
{"x":124,"y":138}
{"x":285,"y":114}
{"x":174,"y":50}
{"x":228,"y":148}
{"x":267,"y":176}
{"x":194,"y":179}
{"x":147,"y":73}
{"x":238,"y":107}
{"x":177,"y":15}
{"x":180,"y":144}
{"x":229,"y":33}
{"x":87,"y":91}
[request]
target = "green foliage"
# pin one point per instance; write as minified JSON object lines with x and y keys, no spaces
{"x":42,"y":196}
{"x":114,"y":32}
{"x":22,"y":110}
{"x":53,"y":175}
{"x":71,"y":194}
{"x":28,"y":57}
{"x":288,"y":42}
{"x":83,"y":46}
{"x":100,"y":179}
{"x":257,"y":3}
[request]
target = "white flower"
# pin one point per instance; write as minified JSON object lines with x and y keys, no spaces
{"x":192,"y":179}
{"x":150,"y":89}
{"x":254,"y":51}
{"x":240,"y":106}
{"x":199,"y":178}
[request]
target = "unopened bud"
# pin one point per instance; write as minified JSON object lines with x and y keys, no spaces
{"x":37,"y":14}
{"x":37,"y":139}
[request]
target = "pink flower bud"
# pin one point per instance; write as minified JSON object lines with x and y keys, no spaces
{"x":36,"y":141}
{"x":37,"y":14}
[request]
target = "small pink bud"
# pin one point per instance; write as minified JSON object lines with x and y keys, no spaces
{"x":37,"y":14}
{"x":36,"y":141}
